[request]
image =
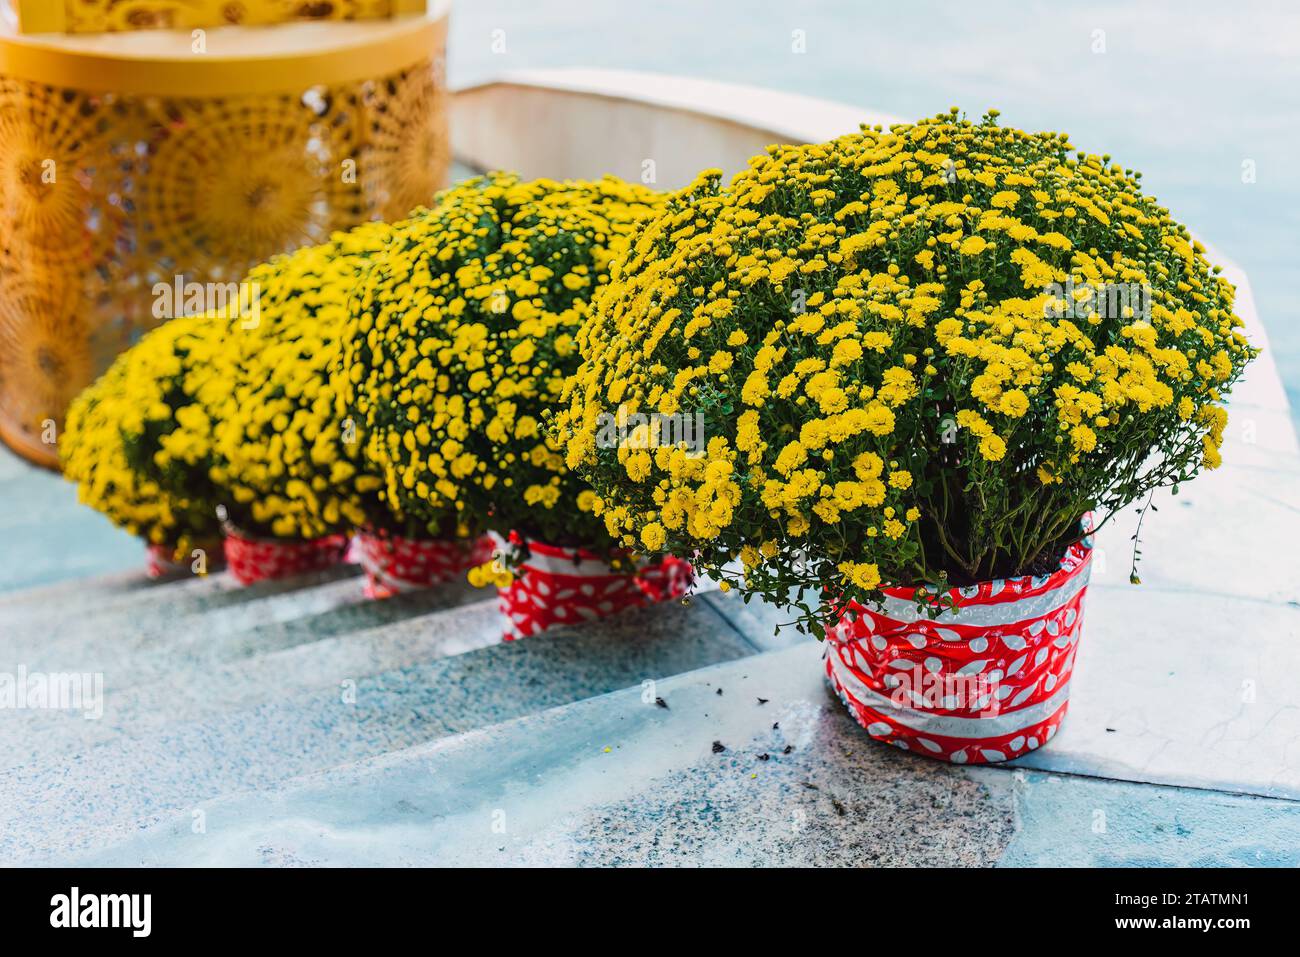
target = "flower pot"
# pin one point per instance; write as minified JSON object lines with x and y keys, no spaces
{"x":986,"y":681}
{"x":556,"y":585}
{"x":161,"y":561}
{"x":395,"y":565}
{"x":252,"y":559}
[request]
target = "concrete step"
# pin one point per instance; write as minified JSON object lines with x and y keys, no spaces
{"x":152,"y":644}
{"x":172,"y":682}
{"x":107,"y":792}
{"x":751,"y":763}
{"x":53,"y":598}
{"x":66,"y":604}
{"x":141,"y":630}
{"x":248,"y":669}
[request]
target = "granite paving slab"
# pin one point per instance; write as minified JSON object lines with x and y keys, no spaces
{"x":64,"y":547}
{"x":41,"y":494}
{"x":746,"y":763}
{"x":1065,"y":821}
{"x":1183,"y":688}
{"x":65,"y":606}
{"x":770,"y":772}
{"x":149,"y":639}
{"x":768,"y":625}
{"x":54,"y":597}
{"x":1233,"y":531}
{"x":244,"y":670}
{"x":83,"y":801}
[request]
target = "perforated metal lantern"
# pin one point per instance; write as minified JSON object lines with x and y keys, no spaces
{"x":132,"y":156}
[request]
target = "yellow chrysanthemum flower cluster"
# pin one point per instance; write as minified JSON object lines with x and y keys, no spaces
{"x":461,"y":339}
{"x":120,"y":446}
{"x":290,"y":464}
{"x":235,"y":408}
{"x":921,"y":355}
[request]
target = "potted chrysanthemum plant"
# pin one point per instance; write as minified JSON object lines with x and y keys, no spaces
{"x":461,"y":338}
{"x":285,"y":450}
{"x":924,"y":356}
{"x":116,"y":447}
{"x":288,"y":466}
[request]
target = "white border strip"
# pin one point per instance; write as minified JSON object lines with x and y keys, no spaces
{"x":926,"y":722}
{"x":987,"y":616}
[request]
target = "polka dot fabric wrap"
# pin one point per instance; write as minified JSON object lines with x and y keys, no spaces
{"x":258,"y":559}
{"x":565,"y":586}
{"x":396,"y":565}
{"x":987,"y":681}
{"x":159,"y":562}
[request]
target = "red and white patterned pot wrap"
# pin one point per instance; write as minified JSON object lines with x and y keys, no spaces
{"x":396,"y":565}
{"x":161,"y":561}
{"x":986,"y":681}
{"x":563,"y":586}
{"x":257,"y":559}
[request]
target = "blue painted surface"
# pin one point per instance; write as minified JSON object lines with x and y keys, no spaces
{"x":47,"y":536}
{"x":1086,"y":822}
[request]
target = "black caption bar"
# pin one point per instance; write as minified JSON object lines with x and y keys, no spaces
{"x":334,"y":906}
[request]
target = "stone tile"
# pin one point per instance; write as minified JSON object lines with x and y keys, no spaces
{"x":1183,"y":688}
{"x":145,"y":642}
{"x":1260,"y":437}
{"x":1262,"y":385}
{"x":1079,"y":822}
{"x":63,"y":607}
{"x":43,"y":496}
{"x":765,"y":624}
{"x":619,"y":780}
{"x":53,"y":598}
{"x":1233,"y":531}
{"x":107,"y":792}
{"x":62,"y":548}
{"x":244,"y":670}
{"x":13,"y":466}
{"x":46,"y":535}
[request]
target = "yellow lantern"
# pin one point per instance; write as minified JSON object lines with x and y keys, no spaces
{"x":136,"y":159}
